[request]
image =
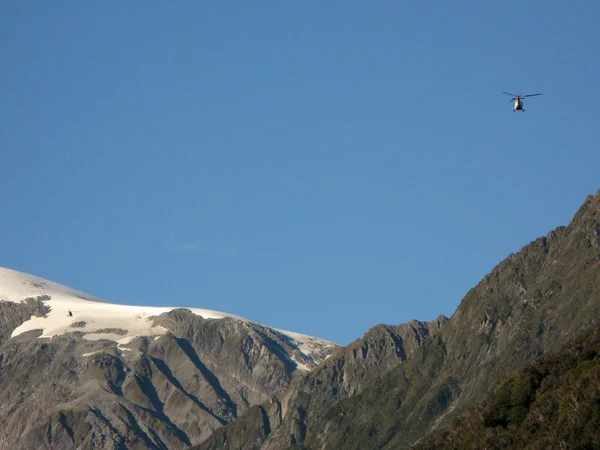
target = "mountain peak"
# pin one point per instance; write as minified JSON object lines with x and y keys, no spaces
{"x":87,"y":373}
{"x":72,"y":310}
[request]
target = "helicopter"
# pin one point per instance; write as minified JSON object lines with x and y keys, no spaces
{"x":518,"y":99}
{"x":70,"y":313}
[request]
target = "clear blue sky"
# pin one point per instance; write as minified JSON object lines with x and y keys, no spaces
{"x":320,"y":167}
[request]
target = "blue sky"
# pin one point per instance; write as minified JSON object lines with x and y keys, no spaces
{"x":319,"y":167}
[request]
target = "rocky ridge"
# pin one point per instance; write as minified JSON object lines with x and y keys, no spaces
{"x":531,"y":303}
{"x":169,"y":390}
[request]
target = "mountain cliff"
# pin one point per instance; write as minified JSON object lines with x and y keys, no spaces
{"x":378,"y":394}
{"x":77,"y":372}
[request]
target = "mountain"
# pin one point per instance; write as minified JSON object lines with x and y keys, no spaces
{"x":344,"y":374}
{"x":553,"y":402}
{"x":79,"y":372}
{"x":398,"y":384}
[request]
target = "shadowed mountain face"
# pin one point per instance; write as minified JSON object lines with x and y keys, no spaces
{"x":551,"y":403}
{"x":167,"y":392}
{"x":398,"y":384}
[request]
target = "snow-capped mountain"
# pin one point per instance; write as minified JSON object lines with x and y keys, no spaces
{"x":88,"y":373}
{"x":97,"y":319}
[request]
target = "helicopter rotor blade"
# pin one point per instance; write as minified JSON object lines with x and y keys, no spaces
{"x":531,"y":95}
{"x":508,"y":93}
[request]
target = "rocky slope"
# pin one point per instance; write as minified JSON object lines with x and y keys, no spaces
{"x":344,"y":374}
{"x":554,"y":402}
{"x":76,"y":372}
{"x":531,"y":303}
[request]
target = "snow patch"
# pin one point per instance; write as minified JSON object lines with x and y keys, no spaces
{"x":70,"y":306}
{"x":103,"y":320}
{"x":310,"y":346}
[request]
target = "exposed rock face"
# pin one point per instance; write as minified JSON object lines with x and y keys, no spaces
{"x":284,"y":420}
{"x":12,"y":315}
{"x":378,"y":394}
{"x":381,"y":348}
{"x":168,"y":391}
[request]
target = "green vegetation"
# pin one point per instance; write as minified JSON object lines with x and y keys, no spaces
{"x":554,"y":402}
